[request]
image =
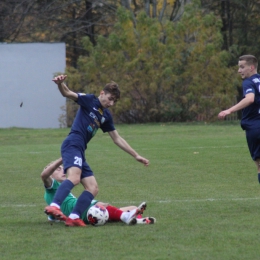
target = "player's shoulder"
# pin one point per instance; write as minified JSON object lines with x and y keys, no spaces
{"x":253,"y":79}
{"x":85,"y":95}
{"x":86,"y":99}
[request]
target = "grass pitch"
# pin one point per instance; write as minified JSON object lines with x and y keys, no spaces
{"x":201,"y":186}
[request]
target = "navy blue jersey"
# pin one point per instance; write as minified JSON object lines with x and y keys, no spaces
{"x":89,"y":118}
{"x":251,"y":114}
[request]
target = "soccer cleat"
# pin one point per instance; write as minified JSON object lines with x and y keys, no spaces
{"x":142,"y":207}
{"x":133,"y":214}
{"x":53,"y":220}
{"x":147,"y":220}
{"x":55,"y":213}
{"x":75,"y":222}
{"x":131,"y":219}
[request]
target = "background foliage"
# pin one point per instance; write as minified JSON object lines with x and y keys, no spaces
{"x":174,"y":59}
{"x":166,"y":71}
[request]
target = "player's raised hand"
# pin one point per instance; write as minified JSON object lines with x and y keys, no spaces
{"x":59,"y":79}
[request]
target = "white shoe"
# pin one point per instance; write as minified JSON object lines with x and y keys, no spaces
{"x":142,"y":207}
{"x":147,"y":220}
{"x":131,"y":220}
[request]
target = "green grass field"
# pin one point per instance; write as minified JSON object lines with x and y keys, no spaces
{"x":201,"y":186}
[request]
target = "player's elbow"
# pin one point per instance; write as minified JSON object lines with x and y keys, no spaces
{"x":43,"y":176}
{"x":250,"y":98}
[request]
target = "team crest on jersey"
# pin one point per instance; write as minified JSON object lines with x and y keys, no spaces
{"x":91,"y":114}
{"x":99,"y":110}
{"x":102,"y":120}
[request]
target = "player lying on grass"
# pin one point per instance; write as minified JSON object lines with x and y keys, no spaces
{"x":53,"y":174}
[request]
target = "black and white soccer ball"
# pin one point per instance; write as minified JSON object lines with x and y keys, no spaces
{"x":97,"y":215}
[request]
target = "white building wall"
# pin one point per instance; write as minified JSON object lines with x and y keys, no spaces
{"x":26,"y":72}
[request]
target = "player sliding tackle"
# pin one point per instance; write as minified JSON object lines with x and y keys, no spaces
{"x":93,"y":114}
{"x":53,"y":174}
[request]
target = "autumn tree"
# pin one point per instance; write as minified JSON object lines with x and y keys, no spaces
{"x":240,"y":24}
{"x":167,"y":71}
{"x":70,"y":20}
{"x":56,"y":21}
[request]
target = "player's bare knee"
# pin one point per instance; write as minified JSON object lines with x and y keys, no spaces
{"x":74,"y":179}
{"x":95,"y":190}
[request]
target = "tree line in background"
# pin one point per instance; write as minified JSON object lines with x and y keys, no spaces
{"x":173,"y":60}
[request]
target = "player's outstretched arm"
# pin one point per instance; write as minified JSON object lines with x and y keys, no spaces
{"x":246,"y":101}
{"x":121,"y":142}
{"x":64,"y":90}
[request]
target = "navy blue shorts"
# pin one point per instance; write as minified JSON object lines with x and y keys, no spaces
{"x":253,"y":142}
{"x":72,"y":156}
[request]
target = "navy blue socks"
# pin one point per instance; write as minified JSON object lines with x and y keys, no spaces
{"x":63,"y":191}
{"x":83,"y":203}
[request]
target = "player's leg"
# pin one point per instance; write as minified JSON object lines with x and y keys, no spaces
{"x":253,"y":142}
{"x":116,"y":214}
{"x":128,"y":217}
{"x":90,"y":191}
{"x":62,"y":192}
{"x":141,"y":207}
{"x":131,"y":218}
{"x":145,"y":220}
{"x":128,"y":208}
{"x":257,"y":162}
{"x":72,"y":163}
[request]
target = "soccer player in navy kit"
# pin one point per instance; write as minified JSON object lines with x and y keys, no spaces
{"x":250,"y":122}
{"x":92,"y":115}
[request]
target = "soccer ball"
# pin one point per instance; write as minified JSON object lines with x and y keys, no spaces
{"x":97,"y":215}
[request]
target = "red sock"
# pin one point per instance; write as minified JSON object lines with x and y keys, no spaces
{"x":114,"y":213}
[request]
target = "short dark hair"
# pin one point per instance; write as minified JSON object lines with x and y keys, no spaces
{"x":113,"y":89}
{"x":250,"y":60}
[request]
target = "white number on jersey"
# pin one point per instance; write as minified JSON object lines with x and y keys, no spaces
{"x":77,"y":161}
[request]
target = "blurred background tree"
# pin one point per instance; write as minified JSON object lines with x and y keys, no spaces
{"x":240,"y":24}
{"x":173,"y":59}
{"x":62,"y":21}
{"x":166,"y":72}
